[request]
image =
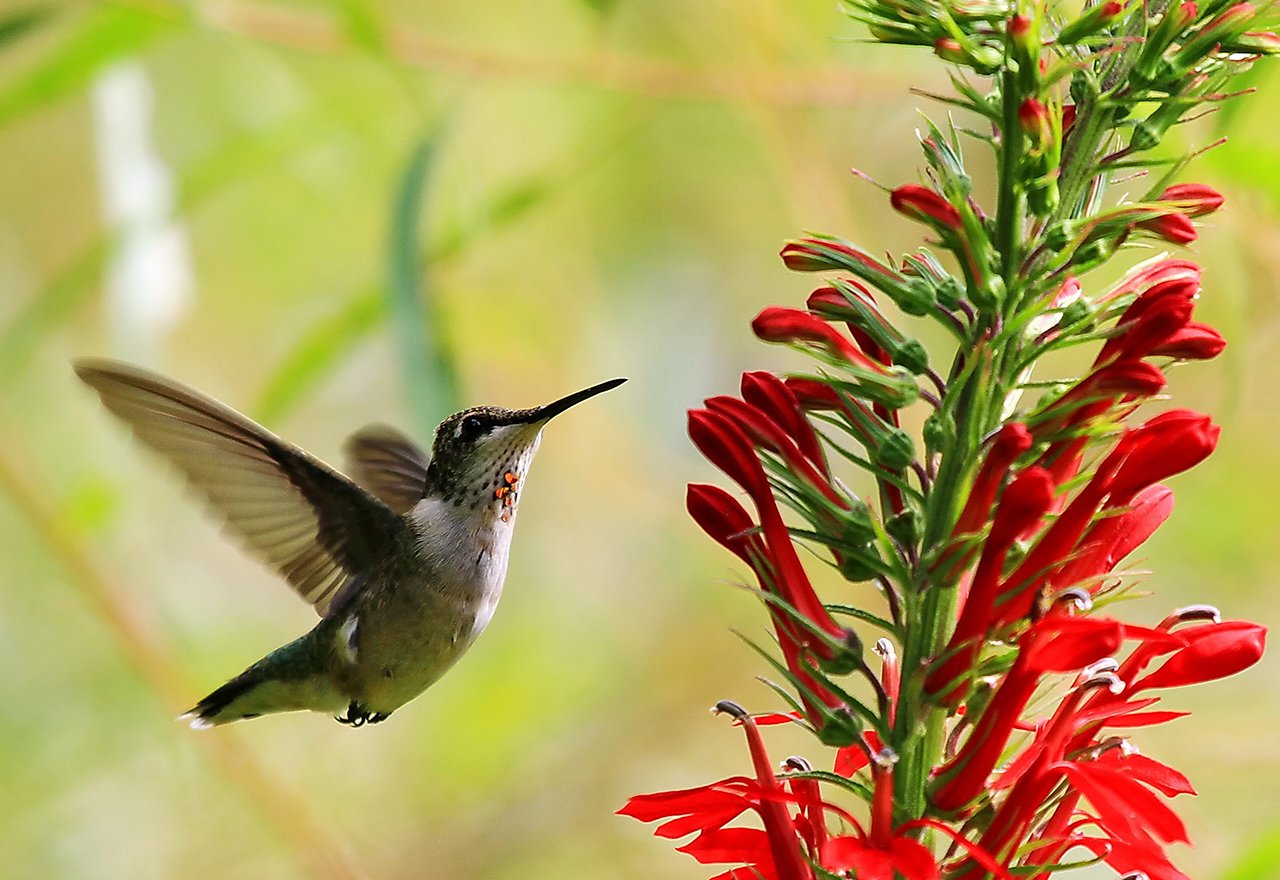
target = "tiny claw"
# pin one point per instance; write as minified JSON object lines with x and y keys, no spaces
{"x":356,"y":716}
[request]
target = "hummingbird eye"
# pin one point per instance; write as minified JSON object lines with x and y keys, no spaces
{"x":471,"y":428}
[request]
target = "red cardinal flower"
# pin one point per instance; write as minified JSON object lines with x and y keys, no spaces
{"x":772,"y":853}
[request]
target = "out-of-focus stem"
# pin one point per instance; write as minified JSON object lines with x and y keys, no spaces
{"x":608,"y":70}
{"x":310,"y":844}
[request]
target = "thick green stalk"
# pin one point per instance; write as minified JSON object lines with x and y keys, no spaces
{"x":1009,"y":198}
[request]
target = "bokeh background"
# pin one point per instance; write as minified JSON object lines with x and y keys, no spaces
{"x":317,"y":210}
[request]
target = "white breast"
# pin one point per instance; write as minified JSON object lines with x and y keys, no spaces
{"x":466,"y":551}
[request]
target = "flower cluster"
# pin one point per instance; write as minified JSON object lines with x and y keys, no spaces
{"x":983,"y":715}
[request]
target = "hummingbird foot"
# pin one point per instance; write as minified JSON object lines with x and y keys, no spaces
{"x":359,"y":716}
{"x":356,"y":716}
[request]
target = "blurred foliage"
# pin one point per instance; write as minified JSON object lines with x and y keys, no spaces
{"x":608,"y":185}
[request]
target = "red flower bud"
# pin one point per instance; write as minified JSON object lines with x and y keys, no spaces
{"x":1033,"y":116}
{"x":1193,"y":342}
{"x":822,"y":254}
{"x":1166,"y":445}
{"x":921,"y":203}
{"x":771,"y":396}
{"x":949,"y":49}
{"x":813,"y":395}
{"x":767,"y":434}
{"x":1154,"y":323}
{"x":1174,"y":227}
{"x":1164,"y":277}
{"x":721,"y":516}
{"x":780,"y":324}
{"x":1131,"y":378}
{"x":1010,"y":442}
{"x":1024,"y":502}
{"x":1193,"y":199}
{"x":725,"y":446}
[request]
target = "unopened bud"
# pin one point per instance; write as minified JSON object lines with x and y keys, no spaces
{"x":939,"y":430}
{"x":896,"y":451}
{"x":839,"y":728}
{"x":1078,"y":316}
{"x":904,"y":527}
{"x":856,"y":568}
{"x":912,"y":355}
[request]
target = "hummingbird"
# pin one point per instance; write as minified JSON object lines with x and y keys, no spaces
{"x":404,"y":560}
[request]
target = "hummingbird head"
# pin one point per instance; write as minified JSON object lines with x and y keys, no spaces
{"x":480,"y":455}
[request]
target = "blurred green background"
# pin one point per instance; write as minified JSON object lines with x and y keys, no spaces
{"x":228,"y":191}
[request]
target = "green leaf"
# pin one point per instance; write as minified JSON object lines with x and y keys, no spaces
{"x":19,"y":22}
{"x":105,"y":34}
{"x":318,"y":352}
{"x":425,"y":359}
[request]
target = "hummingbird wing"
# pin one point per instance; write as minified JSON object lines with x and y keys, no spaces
{"x":388,"y":464}
{"x":314,"y":526}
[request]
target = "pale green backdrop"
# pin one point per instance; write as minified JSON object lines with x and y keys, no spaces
{"x":603,"y":187}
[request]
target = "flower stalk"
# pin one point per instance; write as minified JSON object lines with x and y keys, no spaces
{"x":987,"y":732}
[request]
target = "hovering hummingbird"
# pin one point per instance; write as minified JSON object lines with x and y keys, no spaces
{"x":404,"y":563}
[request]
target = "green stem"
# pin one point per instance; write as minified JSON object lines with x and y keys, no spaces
{"x":1009,"y":202}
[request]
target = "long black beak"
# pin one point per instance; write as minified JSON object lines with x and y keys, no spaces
{"x":543,"y":413}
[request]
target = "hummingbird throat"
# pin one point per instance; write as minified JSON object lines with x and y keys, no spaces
{"x":507,"y":493}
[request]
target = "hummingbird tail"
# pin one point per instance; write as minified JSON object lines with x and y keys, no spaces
{"x":218,"y":707}
{"x":256,"y":692}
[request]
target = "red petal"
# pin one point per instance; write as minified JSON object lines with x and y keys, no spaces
{"x":854,"y":853}
{"x":1215,"y":650}
{"x":913,"y":860}
{"x":685,"y":801}
{"x":1145,"y":719}
{"x":747,"y":845}
{"x":1127,"y":809}
{"x":1159,"y":776}
{"x":1067,"y":644}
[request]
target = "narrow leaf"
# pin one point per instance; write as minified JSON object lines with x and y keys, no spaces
{"x":107,"y":33}
{"x":426,"y":361}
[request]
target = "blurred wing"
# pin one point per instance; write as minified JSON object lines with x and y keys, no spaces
{"x":304,"y":519}
{"x":389,"y":465}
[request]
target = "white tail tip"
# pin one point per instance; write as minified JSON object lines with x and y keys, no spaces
{"x":195,"y":721}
